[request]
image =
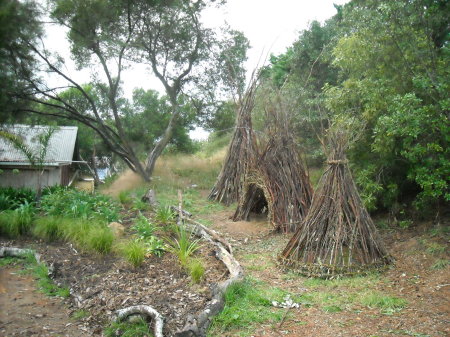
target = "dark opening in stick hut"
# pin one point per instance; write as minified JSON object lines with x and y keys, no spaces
{"x":337,"y":237}
{"x":277,"y":183}
{"x":229,"y":183}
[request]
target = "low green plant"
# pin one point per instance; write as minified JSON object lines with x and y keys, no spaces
{"x":155,"y":246}
{"x":387,"y":304}
{"x":125,"y":197}
{"x":405,"y":224}
{"x":79,"y":204}
{"x":182,"y":245}
{"x":143,"y":227}
{"x":196,"y":270}
{"x":48,"y":228}
{"x":440,"y":264}
{"x":127,"y":329}
{"x":14,"y":223}
{"x":99,"y":239}
{"x":134,"y":252}
{"x":140,"y":205}
{"x":164,"y":215}
{"x":435,"y":248}
{"x":79,"y":314}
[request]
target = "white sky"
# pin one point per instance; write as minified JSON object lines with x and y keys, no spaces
{"x":270,"y":25}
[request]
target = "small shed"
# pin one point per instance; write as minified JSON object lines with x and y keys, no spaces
{"x":16,"y":170}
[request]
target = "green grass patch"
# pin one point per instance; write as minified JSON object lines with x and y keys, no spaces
{"x":126,"y":329}
{"x":387,"y":304}
{"x":14,"y":223}
{"x":440,"y":264}
{"x":248,"y":304}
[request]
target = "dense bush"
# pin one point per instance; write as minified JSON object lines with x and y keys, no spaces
{"x":79,"y":204}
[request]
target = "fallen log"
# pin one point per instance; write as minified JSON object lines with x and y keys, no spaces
{"x":198,"y":326}
{"x":143,"y":310}
{"x":18,"y":252}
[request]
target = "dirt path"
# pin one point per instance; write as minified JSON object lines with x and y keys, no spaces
{"x":26,"y":312}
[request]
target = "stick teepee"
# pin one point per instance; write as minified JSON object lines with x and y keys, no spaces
{"x":338,"y":237}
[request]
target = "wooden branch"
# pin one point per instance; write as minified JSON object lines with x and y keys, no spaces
{"x":198,"y":326}
{"x":18,"y":252}
{"x":144,"y":310}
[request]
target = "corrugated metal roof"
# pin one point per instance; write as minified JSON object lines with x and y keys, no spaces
{"x":61,"y":146}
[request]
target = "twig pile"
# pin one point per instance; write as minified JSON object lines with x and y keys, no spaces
{"x":279,"y":183}
{"x":338,"y":237}
{"x":229,"y":184}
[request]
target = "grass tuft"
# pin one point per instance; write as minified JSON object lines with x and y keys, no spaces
{"x":126,"y":329}
{"x":134,"y":252}
{"x":196,"y":270}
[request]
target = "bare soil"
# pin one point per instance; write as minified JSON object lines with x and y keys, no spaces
{"x":26,"y":312}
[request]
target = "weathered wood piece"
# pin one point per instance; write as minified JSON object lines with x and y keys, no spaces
{"x":150,"y":198}
{"x":146,"y":311}
{"x":198,"y":326}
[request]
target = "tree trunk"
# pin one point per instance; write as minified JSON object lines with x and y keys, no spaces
{"x":161,"y":145}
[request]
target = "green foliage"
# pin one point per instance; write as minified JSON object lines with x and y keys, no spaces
{"x":80,"y":204}
{"x":440,"y":264}
{"x":155,"y":246}
{"x":143,"y":227}
{"x":196,"y":270}
{"x":48,"y":228}
{"x":164,"y":215}
{"x":134,"y":252}
{"x":397,"y":83}
{"x":125,"y":197}
{"x":182,"y":245}
{"x":99,"y":239}
{"x":246,"y":306}
{"x":10,"y":197}
{"x":88,"y":235}
{"x":19,"y":26}
{"x":387,"y":304}
{"x":126,"y":329}
{"x":14,"y":223}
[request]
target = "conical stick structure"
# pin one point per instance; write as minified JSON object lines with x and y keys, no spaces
{"x":278,"y":183}
{"x":229,"y":183}
{"x":338,"y":237}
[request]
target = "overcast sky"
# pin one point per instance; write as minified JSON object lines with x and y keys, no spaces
{"x":271,"y":26}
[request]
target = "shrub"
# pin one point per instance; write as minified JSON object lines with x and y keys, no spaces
{"x":48,"y":228}
{"x":14,"y":223}
{"x":134,"y":252}
{"x":79,"y":204}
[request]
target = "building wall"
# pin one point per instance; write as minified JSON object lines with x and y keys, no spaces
{"x":27,"y":177}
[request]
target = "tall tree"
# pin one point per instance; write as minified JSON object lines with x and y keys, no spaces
{"x":110,"y":34}
{"x":18,"y":26}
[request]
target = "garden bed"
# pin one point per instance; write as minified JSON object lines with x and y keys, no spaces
{"x":101,"y":285}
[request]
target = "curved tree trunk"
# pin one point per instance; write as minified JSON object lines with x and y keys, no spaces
{"x":160,"y":145}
